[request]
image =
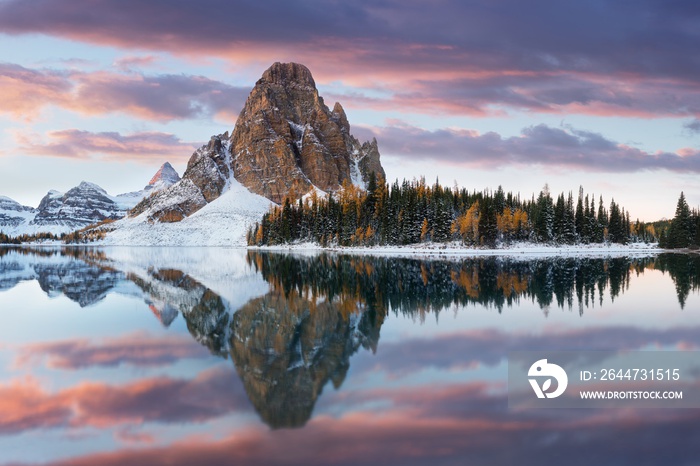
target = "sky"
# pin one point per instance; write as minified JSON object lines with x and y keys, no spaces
{"x":601,"y":94}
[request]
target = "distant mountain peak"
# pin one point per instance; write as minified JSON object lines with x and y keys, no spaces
{"x":166,"y":173}
{"x":91,"y":186}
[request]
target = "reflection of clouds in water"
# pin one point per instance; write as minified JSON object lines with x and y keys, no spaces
{"x":490,"y":347}
{"x":139,"y":349}
{"x":301,"y":330}
{"x":27,"y":405}
{"x":429,"y":426}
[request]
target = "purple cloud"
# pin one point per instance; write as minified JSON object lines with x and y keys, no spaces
{"x":693,"y":126}
{"x":25,"y":405}
{"x":651,"y":38}
{"x":490,"y":347}
{"x":536,"y":145}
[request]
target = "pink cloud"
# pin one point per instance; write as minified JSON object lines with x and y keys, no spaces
{"x":130,"y":62}
{"x":159,"y":98}
{"x":146,"y":147}
{"x":138,"y":349}
{"x":440,"y":59}
{"x":401,"y":436}
{"x":25,"y":405}
{"x":26,"y":91}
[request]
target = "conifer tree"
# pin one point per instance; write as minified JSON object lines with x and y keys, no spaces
{"x":580,"y":217}
{"x":680,"y":233}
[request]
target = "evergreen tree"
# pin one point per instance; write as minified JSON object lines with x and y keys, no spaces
{"x":569,"y":229}
{"x":543,"y":216}
{"x":681,"y":231}
{"x":580,"y":217}
{"x":602,"y":223}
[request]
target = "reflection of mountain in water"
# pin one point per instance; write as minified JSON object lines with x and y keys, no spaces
{"x":205,"y":312}
{"x":80,"y":282}
{"x":288,"y":342}
{"x":286,"y":347}
{"x":58,"y":274}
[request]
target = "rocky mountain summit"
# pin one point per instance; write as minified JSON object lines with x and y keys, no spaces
{"x":286,"y":141}
{"x":166,"y":175}
{"x":286,"y":138}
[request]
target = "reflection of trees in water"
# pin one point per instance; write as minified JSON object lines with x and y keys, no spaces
{"x":413,"y":286}
{"x":320,"y":310}
{"x":418,"y":286}
{"x":684,"y":269}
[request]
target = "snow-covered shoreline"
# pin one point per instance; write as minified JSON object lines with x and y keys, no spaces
{"x":453,"y":249}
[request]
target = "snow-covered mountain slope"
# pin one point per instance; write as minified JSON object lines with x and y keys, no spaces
{"x":12,"y":213}
{"x":81,"y":206}
{"x":165,"y":177}
{"x":222,"y":222}
{"x":59,"y":212}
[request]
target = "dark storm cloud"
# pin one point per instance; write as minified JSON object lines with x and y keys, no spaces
{"x":536,"y":145}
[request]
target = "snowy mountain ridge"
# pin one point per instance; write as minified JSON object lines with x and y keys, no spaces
{"x":222,"y":222}
{"x":83,"y":205}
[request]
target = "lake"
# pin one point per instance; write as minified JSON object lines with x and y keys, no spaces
{"x":179,"y":356}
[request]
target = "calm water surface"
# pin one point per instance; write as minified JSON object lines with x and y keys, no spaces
{"x":150,"y":356}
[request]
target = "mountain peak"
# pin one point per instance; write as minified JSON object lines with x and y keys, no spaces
{"x":87,"y":185}
{"x":288,"y":73}
{"x":286,"y":142}
{"x":165,"y":173}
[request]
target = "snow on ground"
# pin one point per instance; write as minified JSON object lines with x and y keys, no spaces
{"x":224,"y":271}
{"x":453,"y":249}
{"x":223,"y":222}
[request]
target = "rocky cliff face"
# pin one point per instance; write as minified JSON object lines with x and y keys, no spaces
{"x":286,"y":138}
{"x":204,"y":180}
{"x":286,"y":141}
{"x":165,"y":176}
